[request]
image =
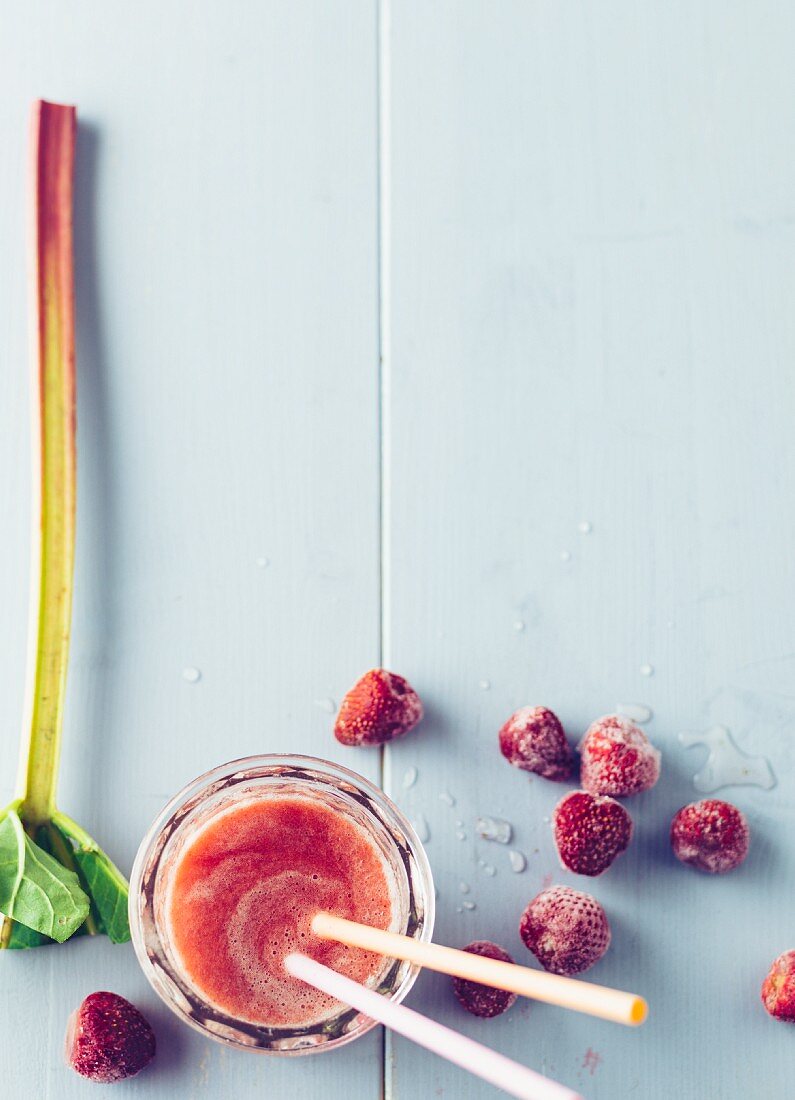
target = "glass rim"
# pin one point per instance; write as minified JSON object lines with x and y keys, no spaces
{"x":421,"y":881}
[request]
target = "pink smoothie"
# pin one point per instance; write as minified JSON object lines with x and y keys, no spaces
{"x":242,"y":895}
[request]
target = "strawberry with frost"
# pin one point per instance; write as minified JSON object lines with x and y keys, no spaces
{"x":379,"y":707}
{"x":484,"y":1000}
{"x":590,"y":831}
{"x":533,"y":739}
{"x":617,"y":758}
{"x":566,"y":930}
{"x":108,"y":1039}
{"x":778,"y":988}
{"x":710,"y":835}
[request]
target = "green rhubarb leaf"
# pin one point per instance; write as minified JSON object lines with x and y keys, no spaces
{"x":22,"y":937}
{"x":101,"y":879}
{"x":35,"y":889}
{"x":16,"y":936}
{"x":108,"y":890}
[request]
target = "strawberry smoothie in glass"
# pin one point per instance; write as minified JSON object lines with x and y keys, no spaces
{"x":227,"y":881}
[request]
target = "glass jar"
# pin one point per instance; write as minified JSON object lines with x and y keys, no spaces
{"x":405,"y":863}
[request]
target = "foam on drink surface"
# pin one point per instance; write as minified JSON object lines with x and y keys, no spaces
{"x":242,"y":894}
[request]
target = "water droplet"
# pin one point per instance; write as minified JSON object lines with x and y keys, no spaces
{"x":545,"y":820}
{"x":646,"y":670}
{"x":484,"y":685}
{"x":459,"y":909}
{"x":422,"y":828}
{"x":410,"y":778}
{"x":464,"y":887}
{"x":327,"y":705}
{"x":460,"y":834}
{"x":447,"y":798}
{"x":263,"y":563}
{"x":585,"y":527}
{"x":191,"y":674}
{"x":565,"y":555}
{"x":636,"y":712}
{"x":517,"y":861}
{"x":726,"y":764}
{"x":494,"y":828}
{"x":468,"y":905}
{"x":489,"y":870}
{"x":518,"y":626}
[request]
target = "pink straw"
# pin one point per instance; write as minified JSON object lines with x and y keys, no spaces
{"x":513,"y":1078}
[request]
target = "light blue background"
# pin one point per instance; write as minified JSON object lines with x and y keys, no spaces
{"x":395,"y":297}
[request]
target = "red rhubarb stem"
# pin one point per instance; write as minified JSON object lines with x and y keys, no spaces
{"x":53,"y":128}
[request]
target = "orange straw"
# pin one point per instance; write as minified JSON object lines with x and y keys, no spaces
{"x":554,"y":989}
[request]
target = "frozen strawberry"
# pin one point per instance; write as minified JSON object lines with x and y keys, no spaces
{"x":778,"y":988}
{"x":617,"y":758}
{"x":533,"y":739}
{"x":107,"y":1039}
{"x":710,"y":835}
{"x":590,"y":831}
{"x":566,"y":930}
{"x":484,"y":1000}
{"x":378,"y":708}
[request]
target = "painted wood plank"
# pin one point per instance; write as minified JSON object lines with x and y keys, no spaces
{"x":227,"y":298}
{"x":591,"y":268}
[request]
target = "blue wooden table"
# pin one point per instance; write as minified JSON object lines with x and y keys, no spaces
{"x":457,"y":337}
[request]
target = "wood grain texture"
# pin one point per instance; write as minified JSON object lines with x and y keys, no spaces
{"x":227,"y":377}
{"x":591,"y":283}
{"x":587,"y":244}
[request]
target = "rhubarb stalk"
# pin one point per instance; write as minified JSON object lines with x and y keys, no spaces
{"x":54,"y":879}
